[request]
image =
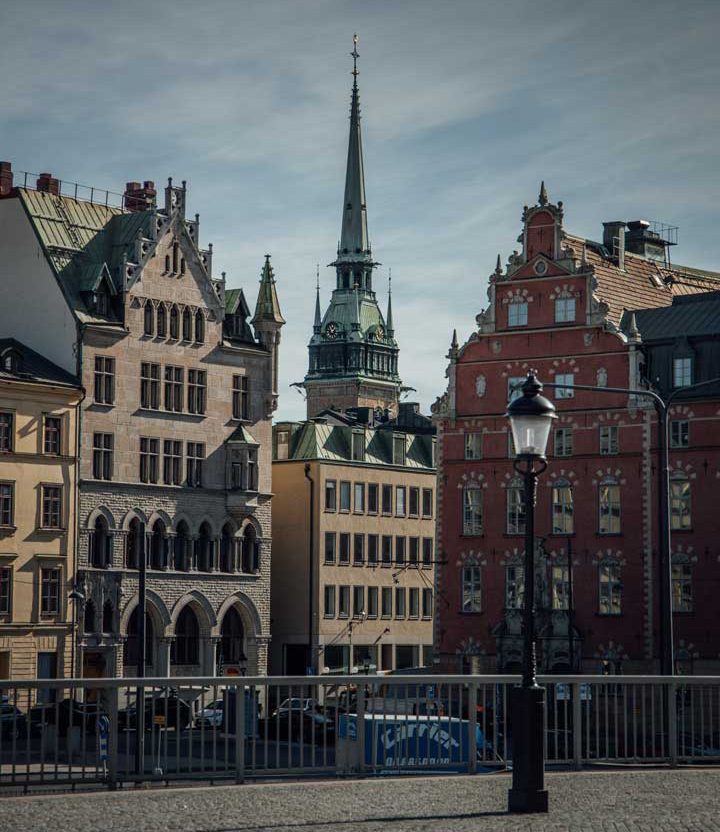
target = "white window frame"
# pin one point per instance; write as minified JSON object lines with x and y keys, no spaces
{"x":563,"y":508}
{"x":564,"y":392}
{"x":473,"y":445}
{"x":609,"y":503}
{"x":682,"y":371}
{"x":472,"y":511}
{"x":564,"y":310}
{"x":609,"y":440}
{"x":679,"y":433}
{"x":680,"y":504}
{"x":515,"y":507}
{"x":517,"y":313}
{"x":471,"y":578}
{"x":563,"y":441}
{"x":610,"y":589}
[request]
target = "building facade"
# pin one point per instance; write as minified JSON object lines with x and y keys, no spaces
{"x":563,"y":307}
{"x":39,"y":404}
{"x":175,"y":459}
{"x":353,"y":556}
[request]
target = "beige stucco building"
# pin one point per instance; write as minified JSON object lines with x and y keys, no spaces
{"x":38,"y":445}
{"x":353,"y":543}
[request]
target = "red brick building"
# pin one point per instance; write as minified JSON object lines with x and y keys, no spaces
{"x":564,"y":306}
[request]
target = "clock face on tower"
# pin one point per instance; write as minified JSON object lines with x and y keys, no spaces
{"x":380,"y":332}
{"x":331,"y":330}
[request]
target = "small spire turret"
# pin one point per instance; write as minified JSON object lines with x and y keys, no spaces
{"x":389,"y":318}
{"x":543,"y":198}
{"x":317,"y":324}
{"x":498,"y":265}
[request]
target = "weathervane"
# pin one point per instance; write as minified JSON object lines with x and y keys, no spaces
{"x":354,"y":54}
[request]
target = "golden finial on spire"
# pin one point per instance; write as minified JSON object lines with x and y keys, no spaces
{"x":354,"y":54}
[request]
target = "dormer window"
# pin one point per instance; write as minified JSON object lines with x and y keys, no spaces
{"x":518,"y":313}
{"x":682,"y":372}
{"x":101,"y":303}
{"x":11,"y":361}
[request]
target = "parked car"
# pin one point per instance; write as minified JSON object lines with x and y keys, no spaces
{"x":295,"y":704}
{"x":62,"y":714}
{"x":211,"y":716}
{"x":164,"y":709}
{"x":13,"y":724}
{"x":313,"y":726}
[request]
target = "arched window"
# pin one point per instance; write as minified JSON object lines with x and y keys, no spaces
{"x":515,"y":507}
{"x":167,"y":263}
{"x":108,"y":618}
{"x":134,"y":544}
{"x":182,"y":548}
{"x":186,"y":325}
{"x":230,"y":649}
{"x":203,"y":549}
{"x":227,"y":549}
{"x":199,"y":327}
{"x":131,"y":656}
{"x":175,"y":256}
{"x":472,"y":510}
{"x":174,"y":322}
{"x":161,"y":320}
{"x":563,"y":517}
{"x":101,"y":545}
{"x":149,"y":317}
{"x":158,"y":546}
{"x":250,"y":551}
{"x":680,"y":516}
{"x":186,"y":647}
{"x":89,"y":618}
{"x":682,"y":584}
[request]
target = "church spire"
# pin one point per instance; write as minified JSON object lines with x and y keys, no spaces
{"x":317,"y":324}
{"x":389,"y":318}
{"x":267,"y":308}
{"x":354,"y":233}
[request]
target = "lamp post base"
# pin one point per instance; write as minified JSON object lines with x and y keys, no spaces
{"x":528,"y":792}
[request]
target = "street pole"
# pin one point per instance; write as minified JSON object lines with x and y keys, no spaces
{"x":571,"y":639}
{"x":140,"y":692}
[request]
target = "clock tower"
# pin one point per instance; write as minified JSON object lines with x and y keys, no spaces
{"x":353,"y":352}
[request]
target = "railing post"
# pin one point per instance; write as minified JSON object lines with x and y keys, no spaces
{"x":240,"y":733}
{"x":577,"y":724}
{"x":112,"y":700}
{"x":472,"y":729}
{"x":671,"y":704}
{"x":360,"y":721}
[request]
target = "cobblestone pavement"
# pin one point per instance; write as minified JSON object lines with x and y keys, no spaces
{"x":612,"y":801}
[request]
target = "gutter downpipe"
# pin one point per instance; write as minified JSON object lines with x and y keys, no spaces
{"x":76,"y":497}
{"x":311,"y":565}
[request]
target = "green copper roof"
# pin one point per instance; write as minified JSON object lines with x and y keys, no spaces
{"x":267,"y":307}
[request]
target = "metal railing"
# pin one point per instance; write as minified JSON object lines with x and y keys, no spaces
{"x":218,"y":729}
{"x":78,"y":192}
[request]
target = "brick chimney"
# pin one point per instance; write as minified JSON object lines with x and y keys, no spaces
{"x":139,"y":197}
{"x":614,"y":240}
{"x":48,"y":184}
{"x":6,"y":178}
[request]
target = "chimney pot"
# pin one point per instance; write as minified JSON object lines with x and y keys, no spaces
{"x":6,"y":178}
{"x":48,"y":184}
{"x":139,"y":197}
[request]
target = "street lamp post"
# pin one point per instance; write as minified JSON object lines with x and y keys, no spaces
{"x":78,"y":599}
{"x":531,"y":416}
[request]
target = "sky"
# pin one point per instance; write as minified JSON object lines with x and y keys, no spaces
{"x":466,"y":106}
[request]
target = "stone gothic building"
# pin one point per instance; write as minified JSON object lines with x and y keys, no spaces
{"x":175,"y":427}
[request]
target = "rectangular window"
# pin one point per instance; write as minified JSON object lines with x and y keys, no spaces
{"x":414,"y":602}
{"x":372,"y":602}
{"x":386,"y":550}
{"x":358,"y":601}
{"x":680,"y":516}
{"x":427,"y":602}
{"x":414,"y":502}
{"x":329,"y":602}
{"x":358,"y":446}
{"x":400,"y":550}
{"x":473,"y":445}
{"x":608,"y":440}
{"x":515,"y":384}
{"x":414,"y":552}
{"x":241,"y":397}
{"x":563,"y":510}
{"x":148,"y":460}
{"x":682,"y":595}
{"x":344,"y":548}
{"x":679,"y":434}
{"x":330,"y":539}
{"x":344,"y":602}
{"x":174,"y":381}
{"x":372,"y":498}
{"x":471,"y":589}
{"x":104,"y":380}
{"x":400,"y":602}
{"x":150,"y":386}
{"x":514,"y":587}
{"x":386,"y":601}
{"x":172,"y":462}
{"x":359,"y":549}
{"x":359,"y":500}
{"x":330,"y":495}
{"x":518,"y":314}
{"x":398,"y":450}
{"x":52,"y":430}
{"x":682,"y":372}
{"x":49,"y":591}
{"x":5,"y":590}
{"x":472,"y":511}
{"x":427,"y":552}
{"x":194,"y":464}
{"x":197,"y":391}
{"x":344,"y":495}
{"x":563,"y":442}
{"x":7,"y":503}
{"x":560,"y":588}
{"x":515,"y":508}
{"x":387,"y":499}
{"x":103,"y":456}
{"x":564,"y":392}
{"x":372,"y":549}
{"x":427,"y":500}
{"x":7,"y":432}
{"x":610,"y":589}
{"x":609,"y":509}
{"x":564,"y":310}
{"x":51,"y":506}
{"x":400,"y":500}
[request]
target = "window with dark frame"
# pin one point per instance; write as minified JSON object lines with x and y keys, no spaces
{"x":329,"y":601}
{"x":51,"y":506}
{"x":414,"y":602}
{"x":427,"y":552}
{"x":330,"y":538}
{"x":359,"y":549}
{"x":330,"y":495}
{"x":344,"y":554}
{"x":386,"y":602}
{"x":241,"y":397}
{"x":7,"y":503}
{"x":679,"y":433}
{"x":5,"y":590}
{"x":414,"y":552}
{"x":149,"y":318}
{"x":199,"y":327}
{"x":372,"y":602}
{"x":400,"y":550}
{"x":399,"y":450}
{"x":104,"y":380}
{"x":7,"y":433}
{"x":359,"y":498}
{"x":52,"y":435}
{"x":161,"y":320}
{"x":150,"y":386}
{"x":358,"y":601}
{"x":103,"y":456}
{"x":344,"y":496}
{"x":358,"y":446}
{"x":149,"y":454}
{"x":172,"y":462}
{"x":372,"y":549}
{"x":608,"y":440}
{"x":197,"y":391}
{"x":49,"y":591}
{"x":372,"y":498}
{"x":400,"y":602}
{"x":427,"y":602}
{"x":174,"y":382}
{"x":194,"y":464}
{"x":387,"y":549}
{"x":427,"y":502}
{"x":387,"y":499}
{"x":344,"y":602}
{"x":174,"y":322}
{"x":186,"y":325}
{"x":414,"y":501}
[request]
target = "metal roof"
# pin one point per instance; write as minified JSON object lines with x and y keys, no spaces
{"x":33,"y":366}
{"x":688,"y":315}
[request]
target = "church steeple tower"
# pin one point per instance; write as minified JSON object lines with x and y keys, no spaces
{"x":353,"y":354}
